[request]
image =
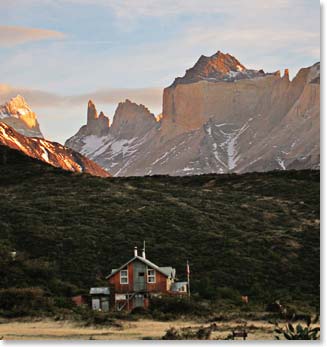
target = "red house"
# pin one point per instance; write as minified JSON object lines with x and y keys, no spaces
{"x":132,"y":284}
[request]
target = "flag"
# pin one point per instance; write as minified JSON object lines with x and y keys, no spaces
{"x":188,"y":279}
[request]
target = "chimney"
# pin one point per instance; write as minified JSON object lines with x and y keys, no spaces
{"x":143,"y":250}
{"x":135,"y":251}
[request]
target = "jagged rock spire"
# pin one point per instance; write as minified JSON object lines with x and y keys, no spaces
{"x":286,"y":74}
{"x":92,"y":113}
{"x":97,"y":124}
{"x":131,"y":118}
{"x":18,"y":114}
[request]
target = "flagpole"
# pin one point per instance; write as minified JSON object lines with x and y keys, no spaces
{"x":188,"y":279}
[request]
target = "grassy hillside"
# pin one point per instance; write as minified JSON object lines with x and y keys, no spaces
{"x":253,"y":234}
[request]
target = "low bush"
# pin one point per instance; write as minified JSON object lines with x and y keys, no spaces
{"x":88,"y":317}
{"x":189,"y":333}
{"x":172,"y":307}
{"x":18,"y":302}
{"x":300,"y":331}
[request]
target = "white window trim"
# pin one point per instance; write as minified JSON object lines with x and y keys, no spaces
{"x":152,"y":276}
{"x":125,"y":276}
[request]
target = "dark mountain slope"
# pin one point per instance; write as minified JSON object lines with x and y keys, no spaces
{"x":52,"y":153}
{"x":255,"y":233}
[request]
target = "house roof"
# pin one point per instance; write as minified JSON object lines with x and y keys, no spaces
{"x":100,"y":290}
{"x":168,"y":271}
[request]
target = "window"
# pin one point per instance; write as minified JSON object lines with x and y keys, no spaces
{"x":123,"y":277}
{"x":151,"y":276}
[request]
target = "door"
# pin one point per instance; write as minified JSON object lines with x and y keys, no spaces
{"x":139,"y":283}
{"x":138,"y":300}
{"x":95,"y":304}
{"x":105,"y":304}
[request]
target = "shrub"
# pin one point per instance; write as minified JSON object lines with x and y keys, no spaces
{"x":172,"y":334}
{"x":88,"y":317}
{"x":63,"y":302}
{"x":299,"y":332}
{"x":140,"y":311}
{"x":177,"y":306}
{"x":229,"y":294}
{"x":189,"y":333}
{"x":16,"y":302}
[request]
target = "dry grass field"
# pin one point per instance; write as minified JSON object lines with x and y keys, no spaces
{"x":138,"y":330}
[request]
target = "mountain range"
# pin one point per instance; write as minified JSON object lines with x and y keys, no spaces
{"x":219,"y":117}
{"x":19,"y":129}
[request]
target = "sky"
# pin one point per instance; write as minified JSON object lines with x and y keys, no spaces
{"x":60,"y":53}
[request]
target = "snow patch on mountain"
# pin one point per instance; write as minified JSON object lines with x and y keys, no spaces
{"x":281,"y":162}
{"x":224,"y":142}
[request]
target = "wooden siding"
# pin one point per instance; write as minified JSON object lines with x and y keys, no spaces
{"x":161,"y":285}
{"x":123,"y":288}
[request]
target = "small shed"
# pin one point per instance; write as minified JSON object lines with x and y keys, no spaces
{"x":179,"y":287}
{"x":100,"y":298}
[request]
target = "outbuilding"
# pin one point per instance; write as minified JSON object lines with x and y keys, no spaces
{"x":100,"y":298}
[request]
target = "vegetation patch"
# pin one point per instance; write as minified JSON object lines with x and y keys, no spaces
{"x":254,"y":235}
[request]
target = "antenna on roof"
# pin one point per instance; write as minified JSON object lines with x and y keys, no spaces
{"x":143,"y":250}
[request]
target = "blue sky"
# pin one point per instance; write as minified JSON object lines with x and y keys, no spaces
{"x":59,"y":53}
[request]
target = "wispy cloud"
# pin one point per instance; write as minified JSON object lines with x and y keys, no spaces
{"x":164,"y":8}
{"x":150,"y":97}
{"x":15,"y":35}
{"x":133,"y":10}
{"x":267,"y":39}
{"x":34,"y":97}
